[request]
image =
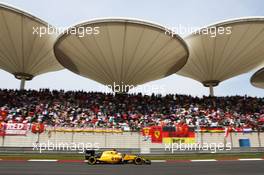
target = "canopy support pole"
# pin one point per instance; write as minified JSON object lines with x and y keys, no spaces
{"x":22,"y":84}
{"x":211,"y":90}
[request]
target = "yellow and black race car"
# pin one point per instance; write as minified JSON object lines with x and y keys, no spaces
{"x":113,"y":157}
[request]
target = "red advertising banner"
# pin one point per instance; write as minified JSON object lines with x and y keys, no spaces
{"x":15,"y":129}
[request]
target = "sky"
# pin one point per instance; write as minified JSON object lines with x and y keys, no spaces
{"x":194,"y":13}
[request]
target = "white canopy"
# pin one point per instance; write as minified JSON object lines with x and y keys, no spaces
{"x":257,"y":78}
{"x":215,"y":59}
{"x":24,"y":53}
{"x":125,"y":51}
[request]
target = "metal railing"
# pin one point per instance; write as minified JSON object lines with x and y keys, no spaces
{"x":152,"y":151}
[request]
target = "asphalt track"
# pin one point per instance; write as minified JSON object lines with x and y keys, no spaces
{"x":169,"y":168}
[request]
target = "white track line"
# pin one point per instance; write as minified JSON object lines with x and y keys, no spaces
{"x":159,"y":161}
{"x":42,"y":160}
{"x":204,"y":160}
{"x":250,"y":159}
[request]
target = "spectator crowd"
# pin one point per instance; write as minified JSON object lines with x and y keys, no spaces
{"x":128,"y":111}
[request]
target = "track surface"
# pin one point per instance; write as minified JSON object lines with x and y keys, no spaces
{"x":180,"y":168}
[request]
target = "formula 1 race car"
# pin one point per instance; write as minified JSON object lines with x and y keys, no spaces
{"x":113,"y":157}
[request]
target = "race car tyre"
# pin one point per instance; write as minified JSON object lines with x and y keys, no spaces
{"x":91,"y":160}
{"x":123,"y":161}
{"x":147,"y":161}
{"x":138,"y":161}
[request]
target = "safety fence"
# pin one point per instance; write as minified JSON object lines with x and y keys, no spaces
{"x":127,"y":140}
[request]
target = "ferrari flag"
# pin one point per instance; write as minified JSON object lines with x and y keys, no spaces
{"x":156,"y":136}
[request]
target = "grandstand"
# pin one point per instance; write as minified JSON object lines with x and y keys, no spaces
{"x":130,"y":52}
{"x":129,"y":112}
{"x":119,"y":95}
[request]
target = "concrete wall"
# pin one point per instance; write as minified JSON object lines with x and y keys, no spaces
{"x":121,"y":140}
{"x":255,"y":139}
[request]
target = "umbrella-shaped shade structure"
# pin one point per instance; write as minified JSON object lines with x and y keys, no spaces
{"x":215,"y":58}
{"x":257,"y":79}
{"x":23,"y":52}
{"x":122,"y":51}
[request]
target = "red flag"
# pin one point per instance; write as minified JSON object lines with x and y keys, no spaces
{"x":3,"y":115}
{"x":146,"y":131}
{"x":37,"y":128}
{"x":2,"y":129}
{"x":156,"y":134}
{"x":182,"y":130}
{"x":227,"y":131}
